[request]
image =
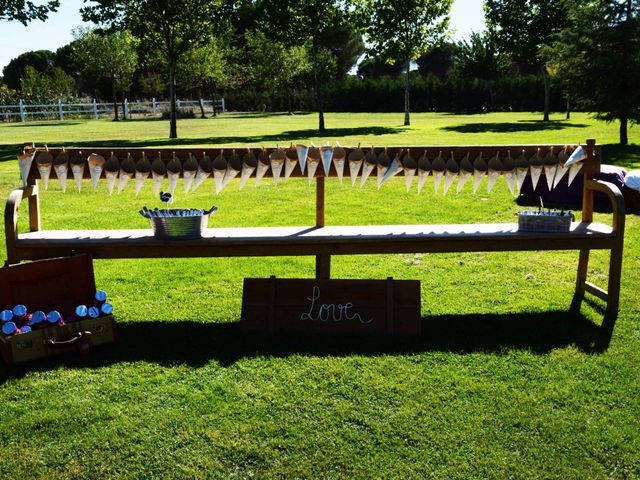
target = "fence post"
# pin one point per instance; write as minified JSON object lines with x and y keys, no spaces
{"x":224,"y":109}
{"x":22,"y":111}
{"x":126,"y":108}
{"x":153,"y":105}
{"x":95,"y":109}
{"x":60,"y":111}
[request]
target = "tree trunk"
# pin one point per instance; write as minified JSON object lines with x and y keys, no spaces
{"x":492,"y":97}
{"x":624,"y":138}
{"x":289,"y":108}
{"x":124,"y":110}
{"x":173,"y":129}
{"x":316,"y":86}
{"x":545,"y":76}
{"x":407,"y":119}
{"x":214,"y":95}
{"x":201,"y":104}
{"x":115,"y":102}
{"x":568,"y":107}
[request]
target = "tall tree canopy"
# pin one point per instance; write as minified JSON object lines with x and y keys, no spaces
{"x":41,"y":60}
{"x":24,"y":11}
{"x":306,"y":23}
{"x":598,"y":58}
{"x":403,"y":30}
{"x":106,"y":55}
{"x":172,"y":27}
{"x":478,"y":58}
{"x":521,"y":28}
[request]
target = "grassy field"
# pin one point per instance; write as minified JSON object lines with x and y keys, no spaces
{"x":505,"y":381}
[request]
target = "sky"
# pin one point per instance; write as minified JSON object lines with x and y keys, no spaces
{"x":466,"y":16}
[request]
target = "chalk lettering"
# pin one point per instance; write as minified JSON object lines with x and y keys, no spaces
{"x":324,"y":312}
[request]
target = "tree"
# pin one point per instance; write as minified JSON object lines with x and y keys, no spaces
{"x":346,"y":45}
{"x":403,"y":30}
{"x":438,"y":61}
{"x":598,"y":59}
{"x":275,"y":66}
{"x":478,"y":58}
{"x":306,"y":23}
{"x":201,"y":68}
{"x":521,"y":28}
{"x":112,"y":56}
{"x":377,"y":67}
{"x":40,"y":88}
{"x":25,"y":11}
{"x":41,"y":60}
{"x":172,"y":27}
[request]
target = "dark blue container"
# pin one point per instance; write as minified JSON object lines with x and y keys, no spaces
{"x":6,"y":316}
{"x":9,"y":328}
{"x":107,"y":309}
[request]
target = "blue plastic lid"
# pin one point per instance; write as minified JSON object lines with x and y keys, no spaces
{"x":107,"y":309}
{"x":38,"y":317}
{"x":25,"y":329}
{"x":101,"y":296}
{"x":19,"y":310}
{"x":6,"y":315}
{"x":94,"y":312}
{"x":54,"y":316}
{"x":81,"y":311}
{"x":9,"y":328}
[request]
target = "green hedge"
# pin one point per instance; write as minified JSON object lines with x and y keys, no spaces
{"x":386,"y":94}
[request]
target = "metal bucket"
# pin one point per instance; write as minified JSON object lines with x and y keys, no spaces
{"x":179,"y":228}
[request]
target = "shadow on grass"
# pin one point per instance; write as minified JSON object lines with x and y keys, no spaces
{"x":622,"y":156}
{"x":512,"y":127}
{"x":195,"y":343}
{"x":10,"y":152}
{"x":48,"y":124}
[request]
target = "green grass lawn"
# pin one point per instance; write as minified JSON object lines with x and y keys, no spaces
{"x":505,"y":382}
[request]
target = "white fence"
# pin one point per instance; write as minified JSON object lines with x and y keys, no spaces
{"x":94,"y":109}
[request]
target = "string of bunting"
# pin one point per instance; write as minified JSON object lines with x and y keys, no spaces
{"x":309,"y":161}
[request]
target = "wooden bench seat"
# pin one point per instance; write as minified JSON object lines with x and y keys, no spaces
{"x":333,"y":240}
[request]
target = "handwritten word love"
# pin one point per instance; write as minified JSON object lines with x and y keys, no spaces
{"x":324,"y":312}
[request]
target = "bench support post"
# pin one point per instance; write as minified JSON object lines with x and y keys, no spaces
{"x":34,"y":208}
{"x":323,"y":261}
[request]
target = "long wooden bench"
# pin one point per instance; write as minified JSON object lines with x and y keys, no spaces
{"x":324,"y":241}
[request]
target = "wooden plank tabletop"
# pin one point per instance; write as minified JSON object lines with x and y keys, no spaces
{"x":313,"y":234}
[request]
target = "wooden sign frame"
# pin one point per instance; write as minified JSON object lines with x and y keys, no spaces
{"x":321,"y":306}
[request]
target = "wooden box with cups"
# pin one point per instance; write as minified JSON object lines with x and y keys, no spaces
{"x":49,"y":307}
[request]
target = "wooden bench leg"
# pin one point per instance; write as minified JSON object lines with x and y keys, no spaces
{"x":583,"y":265}
{"x":615,"y":277}
{"x":323,"y":266}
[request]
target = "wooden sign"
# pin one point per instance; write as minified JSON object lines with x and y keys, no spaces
{"x":390,"y":307}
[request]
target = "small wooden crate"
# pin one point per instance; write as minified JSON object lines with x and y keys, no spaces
{"x":61,"y":284}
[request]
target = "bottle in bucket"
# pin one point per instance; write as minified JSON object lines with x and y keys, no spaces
{"x":93,"y":312}
{"x":25,"y":329}
{"x":6,"y":316}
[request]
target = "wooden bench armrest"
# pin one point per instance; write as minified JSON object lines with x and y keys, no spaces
{"x":617,"y":201}
{"x":11,"y":214}
{"x":11,"y":217}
